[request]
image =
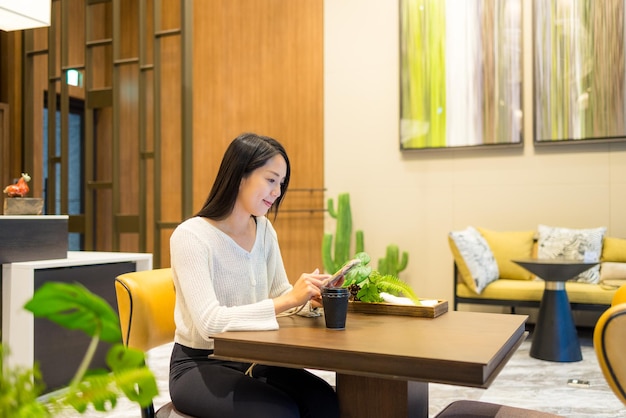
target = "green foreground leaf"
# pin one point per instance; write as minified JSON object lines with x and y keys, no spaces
{"x":73,"y":306}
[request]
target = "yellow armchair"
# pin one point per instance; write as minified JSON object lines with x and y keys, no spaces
{"x":619,"y":296}
{"x":609,"y":340}
{"x":145,"y":303}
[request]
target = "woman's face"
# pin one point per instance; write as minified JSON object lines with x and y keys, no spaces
{"x":262,"y":187}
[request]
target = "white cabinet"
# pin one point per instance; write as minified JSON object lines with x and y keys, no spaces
{"x":58,"y":351}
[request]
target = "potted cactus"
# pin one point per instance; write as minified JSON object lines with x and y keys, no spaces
{"x":365,"y":283}
{"x":337,"y":248}
{"x":334,"y":256}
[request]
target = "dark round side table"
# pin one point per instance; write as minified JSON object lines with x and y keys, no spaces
{"x":555,"y":337}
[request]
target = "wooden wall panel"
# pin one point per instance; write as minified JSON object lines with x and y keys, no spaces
{"x":129,"y":28}
{"x":103,"y":167}
{"x":129,"y":187}
{"x":34,"y":161}
{"x":171,"y":14}
{"x":171,"y":128}
{"x":150,"y":220}
{"x":129,"y":141}
{"x":11,"y":93}
{"x":101,"y":28}
{"x":76,"y":52}
{"x":258,"y":66}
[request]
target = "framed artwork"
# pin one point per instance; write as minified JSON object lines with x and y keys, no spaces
{"x":579,"y":71}
{"x":460,"y":73}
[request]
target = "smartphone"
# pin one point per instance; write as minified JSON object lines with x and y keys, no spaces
{"x":332,"y":280}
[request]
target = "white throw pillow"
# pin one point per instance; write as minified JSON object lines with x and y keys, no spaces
{"x":477,"y":255}
{"x":572,"y":244}
{"x":612,"y":272}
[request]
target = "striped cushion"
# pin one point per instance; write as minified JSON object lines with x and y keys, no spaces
{"x":474,"y":258}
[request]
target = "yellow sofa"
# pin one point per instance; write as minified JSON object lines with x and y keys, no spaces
{"x":515,"y":287}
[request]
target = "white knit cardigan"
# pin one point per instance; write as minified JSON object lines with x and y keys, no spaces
{"x":219,"y":285}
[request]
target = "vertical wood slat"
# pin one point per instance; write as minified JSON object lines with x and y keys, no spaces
{"x":98,"y":97}
{"x":29,"y":91}
{"x":89,"y":150}
{"x":5,"y":137}
{"x":165,"y":144}
{"x":65,"y":109}
{"x":142,"y":131}
{"x":132,"y":189}
{"x":115,"y":143}
{"x":187,"y":106}
{"x":51,"y":186}
{"x":156,"y":91}
{"x":37,"y":72}
{"x":12,"y":48}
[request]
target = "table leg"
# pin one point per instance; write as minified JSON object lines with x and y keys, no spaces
{"x":555,"y":337}
{"x":371,"y":397}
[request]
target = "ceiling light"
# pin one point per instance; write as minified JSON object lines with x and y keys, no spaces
{"x":24,"y":14}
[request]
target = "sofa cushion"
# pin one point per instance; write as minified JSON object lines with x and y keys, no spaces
{"x":474,"y":258}
{"x":532,"y":290}
{"x":507,"y":246}
{"x":572,"y":244}
{"x":612,"y":274}
{"x":614,"y":249}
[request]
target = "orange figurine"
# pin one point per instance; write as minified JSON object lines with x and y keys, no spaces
{"x":19,"y":189}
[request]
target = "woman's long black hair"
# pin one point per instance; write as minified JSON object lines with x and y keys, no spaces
{"x":245,"y":154}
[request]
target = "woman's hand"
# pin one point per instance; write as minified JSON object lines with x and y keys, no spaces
{"x":306,"y":288}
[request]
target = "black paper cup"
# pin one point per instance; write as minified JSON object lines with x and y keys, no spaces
{"x":335,"y":303}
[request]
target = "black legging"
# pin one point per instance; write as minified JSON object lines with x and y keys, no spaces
{"x":209,"y":388}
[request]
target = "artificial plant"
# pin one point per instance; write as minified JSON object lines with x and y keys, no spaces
{"x":366,"y":284}
{"x":74,"y":307}
{"x":343,"y":235}
{"x":392,"y":263}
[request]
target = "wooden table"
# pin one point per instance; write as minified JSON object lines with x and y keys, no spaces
{"x":555,"y":337}
{"x":384,"y":362}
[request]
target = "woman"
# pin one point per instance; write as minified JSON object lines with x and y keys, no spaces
{"x":229,"y":276}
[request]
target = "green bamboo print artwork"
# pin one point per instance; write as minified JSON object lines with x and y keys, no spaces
{"x":423,"y":28}
{"x":460,"y":73}
{"x":579,"y":70}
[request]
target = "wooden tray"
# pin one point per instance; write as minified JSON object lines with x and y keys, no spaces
{"x":392,"y":309}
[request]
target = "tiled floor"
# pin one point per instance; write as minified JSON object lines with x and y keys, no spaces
{"x":524,"y":382}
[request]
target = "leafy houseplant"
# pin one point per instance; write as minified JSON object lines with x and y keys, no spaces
{"x":366,"y":285}
{"x":74,"y":307}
